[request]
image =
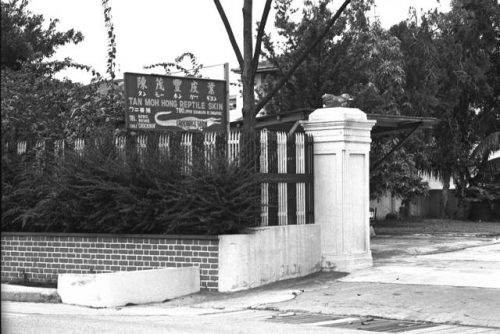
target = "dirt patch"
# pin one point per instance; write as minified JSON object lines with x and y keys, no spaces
{"x":33,"y":284}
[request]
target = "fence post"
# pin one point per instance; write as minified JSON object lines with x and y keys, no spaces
{"x":79,"y":146}
{"x":120,"y":146}
{"x":282,"y":186}
{"x":264,"y":186}
{"x":187,"y":150}
{"x":21,"y":147}
{"x":234,"y":146}
{"x":341,"y":185}
{"x":300,"y":168}
{"x":59,"y":147}
{"x":141,"y":145}
{"x":209,"y":139}
{"x":164,"y":146}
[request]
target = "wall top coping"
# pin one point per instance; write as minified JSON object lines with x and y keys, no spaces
{"x":103,"y":235}
{"x":254,"y":230}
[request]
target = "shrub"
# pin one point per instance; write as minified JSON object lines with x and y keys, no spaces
{"x":108,"y":191}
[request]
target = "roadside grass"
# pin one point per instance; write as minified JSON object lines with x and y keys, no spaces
{"x":435,"y":226}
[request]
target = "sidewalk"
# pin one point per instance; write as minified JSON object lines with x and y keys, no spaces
{"x":441,"y":279}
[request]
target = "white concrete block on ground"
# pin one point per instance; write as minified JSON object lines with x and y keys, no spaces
{"x":128,"y":287}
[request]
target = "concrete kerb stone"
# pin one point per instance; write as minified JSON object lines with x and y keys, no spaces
{"x":18,"y":293}
{"x":240,"y":302}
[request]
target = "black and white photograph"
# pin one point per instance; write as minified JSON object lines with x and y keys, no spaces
{"x":250,"y":166}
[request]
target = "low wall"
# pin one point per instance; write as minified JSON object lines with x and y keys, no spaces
{"x":267,"y":255}
{"x":40,"y":257}
{"x":227,"y":262}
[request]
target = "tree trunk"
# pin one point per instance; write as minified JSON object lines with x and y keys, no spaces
{"x":443,"y":212}
{"x":247,"y":76}
{"x":247,"y":80}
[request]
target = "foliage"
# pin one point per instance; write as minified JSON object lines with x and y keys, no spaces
{"x":487,"y":145}
{"x":397,"y":176}
{"x":34,"y":103}
{"x":365,"y":62}
{"x":452,"y":61}
{"x":110,"y":29}
{"x":444,"y":65}
{"x":249,"y":59}
{"x":109,"y":191}
{"x":180,"y":65}
{"x":489,"y":192}
{"x":25,"y":39}
{"x":37,"y":105}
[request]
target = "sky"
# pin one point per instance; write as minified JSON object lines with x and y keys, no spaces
{"x":153,"y":31}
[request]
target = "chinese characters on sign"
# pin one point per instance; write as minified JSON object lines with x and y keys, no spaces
{"x":156,"y":102}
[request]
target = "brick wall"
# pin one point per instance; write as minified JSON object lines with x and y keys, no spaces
{"x":39,"y":257}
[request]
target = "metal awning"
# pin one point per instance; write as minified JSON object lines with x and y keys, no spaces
{"x":386,"y":124}
{"x":393,"y":124}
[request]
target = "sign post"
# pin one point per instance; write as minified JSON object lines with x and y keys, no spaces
{"x":226,"y":77}
{"x":158,"y":102}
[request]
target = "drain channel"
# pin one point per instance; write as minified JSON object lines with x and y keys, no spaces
{"x":362,"y":323}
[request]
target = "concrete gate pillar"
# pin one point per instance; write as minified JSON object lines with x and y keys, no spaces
{"x":341,"y":186}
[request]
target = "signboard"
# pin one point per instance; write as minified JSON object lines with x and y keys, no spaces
{"x":159,"y":102}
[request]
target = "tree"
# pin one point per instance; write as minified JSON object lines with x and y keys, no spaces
{"x":25,"y":39}
{"x":249,"y":59}
{"x":304,"y":87}
{"x":365,"y":62}
{"x":452,"y":63}
{"x":34,"y":103}
{"x":397,"y":176}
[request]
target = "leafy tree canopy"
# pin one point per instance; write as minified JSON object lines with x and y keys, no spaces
{"x":365,"y":62}
{"x":24,"y":38}
{"x":452,"y":61}
{"x":34,"y":103}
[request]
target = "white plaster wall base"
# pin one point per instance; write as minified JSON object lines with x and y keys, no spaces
{"x":341,"y":186}
{"x":268,"y":254}
{"x":128,"y":287}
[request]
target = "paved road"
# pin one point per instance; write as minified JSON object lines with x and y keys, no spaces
{"x":59,"y":320}
{"x":23,"y":319}
{"x":446,"y":280}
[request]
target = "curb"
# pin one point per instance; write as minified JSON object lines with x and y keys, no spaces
{"x":18,"y":293}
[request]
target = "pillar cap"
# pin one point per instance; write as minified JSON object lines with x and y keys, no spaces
{"x":346,"y":126}
{"x":337,"y":114}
